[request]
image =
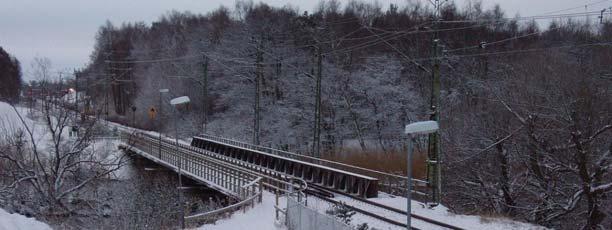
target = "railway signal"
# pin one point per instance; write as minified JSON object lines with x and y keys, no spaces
{"x":152,"y":113}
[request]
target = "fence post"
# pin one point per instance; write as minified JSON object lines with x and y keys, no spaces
{"x":276,"y":202}
{"x":260,"y":191}
{"x":253,"y":192}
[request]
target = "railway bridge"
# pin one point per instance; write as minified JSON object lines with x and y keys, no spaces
{"x":242,"y":171}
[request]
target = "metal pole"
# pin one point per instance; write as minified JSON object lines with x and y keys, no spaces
{"x":159,"y":123}
{"x":433,"y":157}
{"x":409,"y":182}
{"x":258,"y":79}
{"x":205,"y":94}
{"x":182,"y":204}
{"x":76,"y":96}
{"x":317,"y":134}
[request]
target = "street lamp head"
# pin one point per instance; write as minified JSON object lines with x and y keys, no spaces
{"x":180,"y":100}
{"x":423,"y":127}
{"x":164,"y":90}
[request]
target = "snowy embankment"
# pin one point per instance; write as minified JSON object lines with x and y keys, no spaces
{"x":442,"y":214}
{"x":262,"y":216}
{"x":18,"y":222}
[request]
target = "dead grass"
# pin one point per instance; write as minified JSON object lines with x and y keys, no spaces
{"x":390,"y":162}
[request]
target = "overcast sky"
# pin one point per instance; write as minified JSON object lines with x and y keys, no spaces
{"x":64,"y":30}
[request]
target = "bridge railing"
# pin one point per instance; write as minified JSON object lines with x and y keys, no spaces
{"x":219,"y":173}
{"x":388,"y":182}
{"x":253,"y":194}
{"x":226,"y":178}
{"x":208,"y":166}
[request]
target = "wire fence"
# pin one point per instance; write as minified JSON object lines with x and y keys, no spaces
{"x":301,"y":217}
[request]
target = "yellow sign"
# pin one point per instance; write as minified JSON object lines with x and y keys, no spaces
{"x":152,"y":113}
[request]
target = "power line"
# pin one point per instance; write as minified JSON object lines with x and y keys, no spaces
{"x":526,"y":50}
{"x":186,"y":57}
{"x":484,"y":44}
{"x":397,"y":35}
{"x":406,"y":57}
{"x":577,"y":7}
{"x":537,"y":17}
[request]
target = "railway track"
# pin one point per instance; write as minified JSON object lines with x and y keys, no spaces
{"x":399,"y":215}
{"x":360,"y":205}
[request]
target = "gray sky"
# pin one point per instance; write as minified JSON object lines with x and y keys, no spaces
{"x":64,"y":30}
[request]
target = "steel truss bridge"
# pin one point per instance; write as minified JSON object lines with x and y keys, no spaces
{"x":242,"y":171}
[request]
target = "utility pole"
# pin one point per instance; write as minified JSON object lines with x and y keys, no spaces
{"x":205,"y":92}
{"x":76,"y":95}
{"x":159,"y":118}
{"x":180,"y":176}
{"x":316,"y":146}
{"x":60,"y":85}
{"x":258,"y":79}
{"x":110,"y":73}
{"x":433,"y":154}
{"x":87,"y":105}
{"x":318,"y":58}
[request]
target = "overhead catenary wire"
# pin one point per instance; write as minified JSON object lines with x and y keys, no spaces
{"x":608,"y":43}
{"x":186,"y":57}
{"x":577,"y":7}
{"x":536,"y":17}
{"x":387,"y":35}
{"x":405,"y":56}
{"x":486,"y":44}
{"x":395,"y":35}
{"x":524,"y":50}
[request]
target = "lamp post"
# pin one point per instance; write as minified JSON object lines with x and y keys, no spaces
{"x":204,"y":84}
{"x":176,"y":102}
{"x":161,"y":91}
{"x":413,"y":129}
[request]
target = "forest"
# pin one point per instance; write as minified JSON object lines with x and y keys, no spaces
{"x":10,"y":76}
{"x":525,"y":101}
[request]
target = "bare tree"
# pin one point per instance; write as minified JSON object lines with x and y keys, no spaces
{"x":54,"y":168}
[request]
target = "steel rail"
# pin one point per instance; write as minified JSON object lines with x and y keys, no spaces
{"x":271,"y":181}
{"x":385,"y":207}
{"x":270,"y":177}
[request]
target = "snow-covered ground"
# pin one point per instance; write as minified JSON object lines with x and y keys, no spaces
{"x":18,"y":222}
{"x":442,"y":214}
{"x":10,"y":123}
{"x":262,"y":216}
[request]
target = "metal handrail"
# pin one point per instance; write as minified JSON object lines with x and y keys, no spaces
{"x":232,"y":207}
{"x":269,"y":182}
{"x":297,"y":156}
{"x":250,"y":200}
{"x":391,"y":182}
{"x":232,"y":162}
